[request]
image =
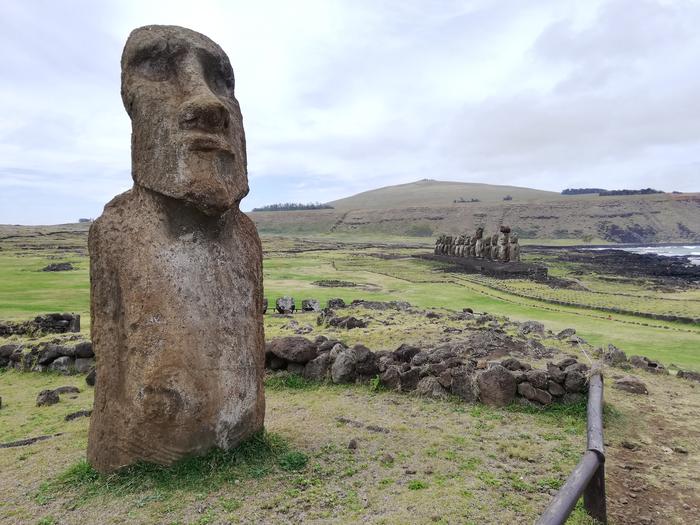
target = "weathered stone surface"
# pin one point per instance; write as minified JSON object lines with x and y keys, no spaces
{"x":405,"y":353}
{"x":335,"y":302}
{"x":531,"y":327}
{"x":83,"y":350}
{"x":58,"y":267}
{"x":537,"y":378}
{"x":631,"y":384}
{"x":90,"y":377}
{"x":176,"y":267}
{"x":430,"y":387}
{"x":555,"y":389}
{"x":310,"y":305}
{"x":566,"y":333}
{"x":496,"y":386}
{"x":348,"y":322}
{"x":690,"y":375}
{"x":366,"y":362}
{"x":343,"y":369}
{"x":47,"y":397}
{"x":409,"y":379}
{"x":68,"y":389}
{"x":63,"y":364}
{"x":464,"y":384}
{"x":529,"y":391}
{"x":285,"y":305}
{"x":295,"y":349}
{"x":647,"y":364}
{"x":576,"y":381}
{"x":390,"y":378}
{"x":317,"y":369}
{"x":614,"y":356}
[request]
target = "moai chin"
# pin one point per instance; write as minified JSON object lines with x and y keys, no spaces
{"x":176,"y":267}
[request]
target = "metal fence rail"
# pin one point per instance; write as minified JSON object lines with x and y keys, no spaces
{"x":588,"y":478}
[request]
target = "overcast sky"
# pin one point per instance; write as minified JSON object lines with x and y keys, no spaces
{"x":344,"y":96}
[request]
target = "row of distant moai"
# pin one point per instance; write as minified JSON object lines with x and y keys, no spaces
{"x":502,"y":246}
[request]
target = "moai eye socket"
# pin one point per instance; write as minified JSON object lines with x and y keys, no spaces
{"x":156,"y":62}
{"x":218,"y":74}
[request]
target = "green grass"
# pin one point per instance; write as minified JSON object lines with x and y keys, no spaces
{"x":257,"y":457}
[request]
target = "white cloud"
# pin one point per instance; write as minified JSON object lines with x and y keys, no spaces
{"x":343,"y":96}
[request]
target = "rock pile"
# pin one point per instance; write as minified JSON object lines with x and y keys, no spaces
{"x":67,"y":359}
{"x":56,"y":323}
{"x":435,"y":373}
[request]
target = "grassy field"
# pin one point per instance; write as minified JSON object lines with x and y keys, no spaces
{"x":292,"y":267}
{"x":416,"y":461}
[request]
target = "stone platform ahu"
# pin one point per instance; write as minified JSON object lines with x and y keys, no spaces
{"x":176,"y":267}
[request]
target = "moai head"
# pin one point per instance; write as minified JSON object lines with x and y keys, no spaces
{"x":187,"y":138}
{"x":479,"y":233}
{"x":505,"y":229}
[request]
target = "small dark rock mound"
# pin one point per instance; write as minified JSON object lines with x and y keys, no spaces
{"x":294,"y":349}
{"x":76,"y":415}
{"x":614,"y":356}
{"x":46,"y":398}
{"x":58,"y":267}
{"x":264,"y":305}
{"x":531,"y":327}
{"x":566,"y":333}
{"x":631,"y":384}
{"x":335,"y":302}
{"x":55,"y":323}
{"x":382,"y":305}
{"x":497,"y":386}
{"x":90,"y":377}
{"x":348,"y":322}
{"x":334,"y":283}
{"x":687,"y":374}
{"x":647,"y":364}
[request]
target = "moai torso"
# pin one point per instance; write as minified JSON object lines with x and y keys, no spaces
{"x":478,"y":245}
{"x":514,"y":249}
{"x":494,"y":247}
{"x":175,"y":267}
{"x":486,"y":248}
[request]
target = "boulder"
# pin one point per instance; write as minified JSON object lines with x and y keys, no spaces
{"x":576,"y":380}
{"x":420,"y":359}
{"x":366,"y":361}
{"x":58,"y":267}
{"x":49,"y":353}
{"x":631,"y":384}
{"x":614,"y":356}
{"x":537,"y":378}
{"x":348,"y":322}
{"x":84,"y":365}
{"x":343,"y":368}
{"x":285,"y":305}
{"x":531,"y":327}
{"x":310,"y":305}
{"x":390,"y":378}
{"x":647,"y":364}
{"x":496,"y":385}
{"x":405,"y":353}
{"x":409,"y":379}
{"x":295,"y":349}
{"x":264,"y":305}
{"x":441,"y":354}
{"x":47,"y":397}
{"x":463,"y":384}
{"x":555,"y":389}
{"x":530,"y":392}
{"x":555,"y":373}
{"x":317,"y":369}
{"x":335,"y":302}
{"x":327,"y":345}
{"x":512,"y":364}
{"x":68,"y":389}
{"x":430,"y":387}
{"x":566,"y":333}
{"x":689,"y":375}
{"x":63,"y":364}
{"x":90,"y":378}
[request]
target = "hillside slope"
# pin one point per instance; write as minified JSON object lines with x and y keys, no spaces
{"x":430,"y":192}
{"x":427,"y":208}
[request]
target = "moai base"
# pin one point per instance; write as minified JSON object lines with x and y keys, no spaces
{"x":176,"y":267}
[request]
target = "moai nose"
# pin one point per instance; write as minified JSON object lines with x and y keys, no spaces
{"x":204,"y":113}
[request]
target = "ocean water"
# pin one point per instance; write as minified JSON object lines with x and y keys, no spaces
{"x":691,"y":251}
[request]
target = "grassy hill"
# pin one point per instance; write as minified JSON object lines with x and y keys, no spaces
{"x":428,"y":192}
{"x":427,"y":208}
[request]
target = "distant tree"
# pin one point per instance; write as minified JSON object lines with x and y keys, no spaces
{"x":507,"y":198}
{"x":587,"y":238}
{"x":614,"y":193}
{"x":294,"y":206}
{"x":581,"y":191}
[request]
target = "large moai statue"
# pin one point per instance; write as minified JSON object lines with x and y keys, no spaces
{"x":472,"y":246}
{"x":438,"y":242}
{"x":176,"y":267}
{"x":486,"y":248}
{"x":460,"y":246}
{"x":514,"y":248}
{"x":503,"y":243}
{"x":494,"y":247}
{"x":479,"y":244}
